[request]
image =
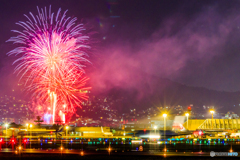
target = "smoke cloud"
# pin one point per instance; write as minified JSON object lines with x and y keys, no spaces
{"x":180,"y":47}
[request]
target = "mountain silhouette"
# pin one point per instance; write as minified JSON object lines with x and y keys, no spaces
{"x":160,"y":92}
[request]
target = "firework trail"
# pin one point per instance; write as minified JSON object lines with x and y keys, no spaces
{"x":52,"y":50}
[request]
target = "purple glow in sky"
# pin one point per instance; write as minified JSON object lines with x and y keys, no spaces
{"x":191,"y":42}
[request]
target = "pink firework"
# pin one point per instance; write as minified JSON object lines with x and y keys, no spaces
{"x":52,"y":56}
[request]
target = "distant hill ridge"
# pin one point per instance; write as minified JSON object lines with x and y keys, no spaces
{"x":163,"y":92}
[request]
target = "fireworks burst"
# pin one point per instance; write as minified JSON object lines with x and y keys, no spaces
{"x":52,"y":56}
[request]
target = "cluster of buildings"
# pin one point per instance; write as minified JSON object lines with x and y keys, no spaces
{"x":102,"y":111}
{"x":14,"y":110}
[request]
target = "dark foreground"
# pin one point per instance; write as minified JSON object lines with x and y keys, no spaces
{"x":48,"y":149}
{"x":117,"y":156}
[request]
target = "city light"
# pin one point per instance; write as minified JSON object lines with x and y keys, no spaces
{"x":12,"y":140}
{"x":6,"y":125}
{"x":164,"y":116}
{"x":154,"y":136}
{"x":136,"y":141}
{"x":187,"y":114}
{"x":212,"y":111}
{"x":24,"y":141}
{"x":27,"y":126}
{"x":67,"y":130}
{"x":82,"y":153}
{"x":30,"y":134}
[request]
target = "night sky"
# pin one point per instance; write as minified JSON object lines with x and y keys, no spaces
{"x":195,"y":43}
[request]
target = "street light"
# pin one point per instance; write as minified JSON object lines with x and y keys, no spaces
{"x":61,"y":149}
{"x":212,"y":112}
{"x":155,"y":127}
{"x":30,"y":134}
{"x":27,"y":129}
{"x":66,"y":130}
{"x":164,"y":116}
{"x":187,"y":114}
{"x":6,"y":125}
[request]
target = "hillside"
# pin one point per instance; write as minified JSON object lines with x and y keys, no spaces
{"x":163,"y":92}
